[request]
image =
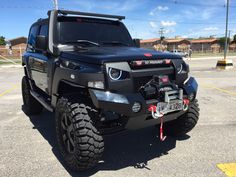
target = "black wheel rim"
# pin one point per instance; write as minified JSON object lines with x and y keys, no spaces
{"x":67,"y":133}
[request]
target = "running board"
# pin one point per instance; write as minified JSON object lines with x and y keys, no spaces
{"x":41,"y":100}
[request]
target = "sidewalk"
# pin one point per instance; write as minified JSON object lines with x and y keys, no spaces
{"x":15,"y":60}
{"x":211,"y":58}
{"x":10,"y":66}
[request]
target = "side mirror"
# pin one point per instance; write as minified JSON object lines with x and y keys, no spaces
{"x":41,"y":43}
{"x":136,"y":42}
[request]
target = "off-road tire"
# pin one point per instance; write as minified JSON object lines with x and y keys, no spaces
{"x":184,"y":123}
{"x":88,"y":143}
{"x":31,"y":105}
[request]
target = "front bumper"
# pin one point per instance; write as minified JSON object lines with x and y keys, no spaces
{"x":122,"y":104}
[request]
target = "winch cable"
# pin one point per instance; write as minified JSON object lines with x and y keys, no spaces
{"x":160,"y":114}
{"x":162,"y":137}
{"x":156,"y":115}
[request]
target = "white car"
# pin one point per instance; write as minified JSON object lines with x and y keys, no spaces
{"x":178,"y":52}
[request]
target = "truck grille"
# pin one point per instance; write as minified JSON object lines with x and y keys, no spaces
{"x":141,"y":81}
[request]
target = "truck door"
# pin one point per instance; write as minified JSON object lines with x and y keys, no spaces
{"x":37,"y":61}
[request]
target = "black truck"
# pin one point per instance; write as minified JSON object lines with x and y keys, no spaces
{"x":87,"y":69}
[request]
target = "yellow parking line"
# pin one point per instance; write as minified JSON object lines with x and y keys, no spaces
{"x":9,"y":90}
{"x":228,"y":168}
{"x":220,"y":89}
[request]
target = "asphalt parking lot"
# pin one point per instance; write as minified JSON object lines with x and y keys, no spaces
{"x":28,"y":146}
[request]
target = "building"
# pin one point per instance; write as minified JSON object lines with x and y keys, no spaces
{"x":232,"y":46}
{"x":17,"y":45}
{"x":205,"y":45}
{"x":3,"y":50}
{"x":166,"y":44}
{"x":179,"y":44}
{"x":154,"y":43}
{"x":149,"y":43}
{"x":14,"y":47}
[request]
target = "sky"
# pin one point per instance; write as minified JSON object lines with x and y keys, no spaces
{"x":144,"y":18}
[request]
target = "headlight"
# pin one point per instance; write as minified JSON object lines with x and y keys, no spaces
{"x":183,"y":67}
{"x":179,"y":68}
{"x":114,"y":74}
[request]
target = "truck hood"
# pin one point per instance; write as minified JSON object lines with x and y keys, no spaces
{"x":101,"y":55}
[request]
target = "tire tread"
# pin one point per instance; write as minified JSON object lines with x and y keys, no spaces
{"x":89,"y":142}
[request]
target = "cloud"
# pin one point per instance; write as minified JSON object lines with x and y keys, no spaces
{"x":203,"y":32}
{"x":129,"y":5}
{"x":106,"y":5}
{"x":169,"y":31}
{"x":168,"y":23}
{"x":206,"y":13}
{"x":163,"y":8}
{"x":157,"y":9}
{"x":153,"y":24}
{"x":211,"y":29}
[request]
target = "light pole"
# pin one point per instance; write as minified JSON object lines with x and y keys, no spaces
{"x":226,"y":30}
{"x":161,"y":32}
{"x":225,"y":64}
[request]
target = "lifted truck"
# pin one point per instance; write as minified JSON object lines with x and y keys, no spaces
{"x":86,"y":68}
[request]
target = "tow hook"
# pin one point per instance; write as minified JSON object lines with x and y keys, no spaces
{"x":186,"y":104}
{"x":156,"y":115}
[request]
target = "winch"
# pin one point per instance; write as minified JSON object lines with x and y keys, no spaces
{"x":169,"y":98}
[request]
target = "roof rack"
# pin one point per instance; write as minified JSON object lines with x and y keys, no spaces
{"x":67,"y":12}
{"x":40,"y":19}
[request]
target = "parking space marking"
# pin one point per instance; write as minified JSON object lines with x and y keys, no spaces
{"x":219,"y":89}
{"x":9,"y":90}
{"x":228,"y":168}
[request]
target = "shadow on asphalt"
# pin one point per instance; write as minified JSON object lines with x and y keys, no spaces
{"x":127,"y":149}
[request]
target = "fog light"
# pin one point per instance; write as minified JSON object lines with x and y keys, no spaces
{"x":110,"y":97}
{"x":136,"y":107}
{"x":96,"y":84}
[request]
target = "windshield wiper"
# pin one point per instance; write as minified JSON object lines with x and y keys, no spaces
{"x":115,"y":43}
{"x":83,"y":42}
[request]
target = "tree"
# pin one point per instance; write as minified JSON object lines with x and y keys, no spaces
{"x":222,"y":41}
{"x":162,"y":38}
{"x":2,"y":40}
{"x":235,"y":37}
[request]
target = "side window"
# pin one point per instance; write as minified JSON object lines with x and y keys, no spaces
{"x":44,"y":30}
{"x":32,"y":38}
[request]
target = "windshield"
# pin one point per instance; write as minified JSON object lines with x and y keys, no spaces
{"x":103,"y":32}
